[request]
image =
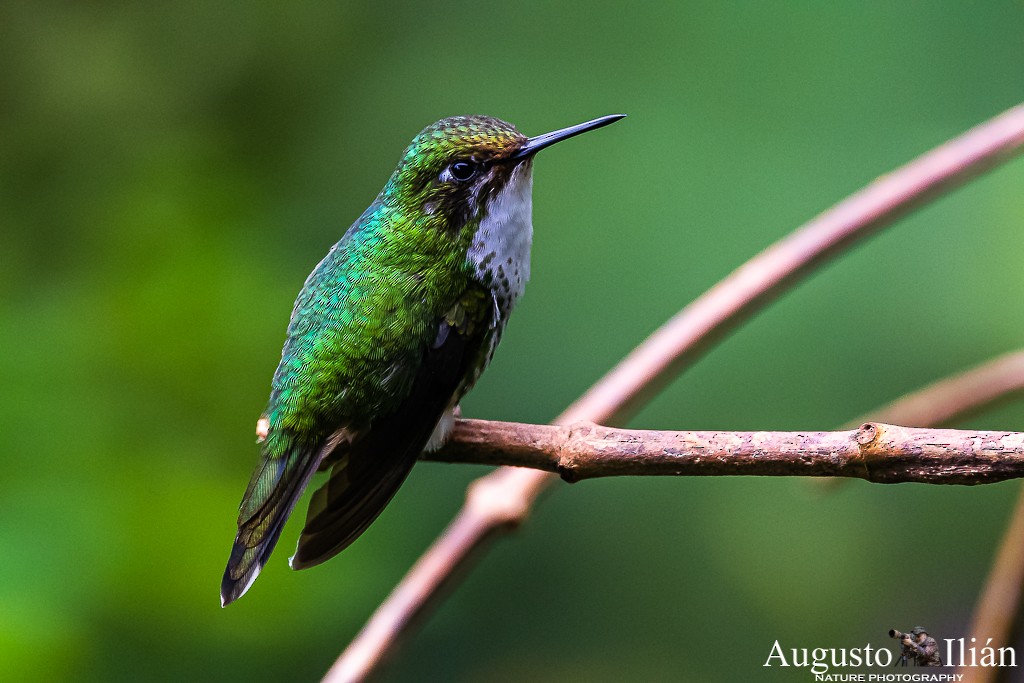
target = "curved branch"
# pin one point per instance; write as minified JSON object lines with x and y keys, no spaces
{"x":952,"y":399}
{"x":1000,"y":598}
{"x":665,"y":354}
{"x":999,"y":602}
{"x":875,"y":451}
{"x":955,"y":397}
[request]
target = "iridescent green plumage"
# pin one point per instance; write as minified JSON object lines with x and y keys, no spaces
{"x":391,"y":329}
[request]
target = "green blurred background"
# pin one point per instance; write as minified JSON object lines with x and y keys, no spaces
{"x":169,"y":174}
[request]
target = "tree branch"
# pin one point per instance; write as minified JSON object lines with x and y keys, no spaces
{"x":949,"y":399}
{"x":955,"y":397}
{"x":502,"y":499}
{"x":999,"y":601}
{"x":875,"y":451}
{"x":952,"y":399}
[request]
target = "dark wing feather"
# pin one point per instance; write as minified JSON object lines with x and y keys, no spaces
{"x":368,"y":472}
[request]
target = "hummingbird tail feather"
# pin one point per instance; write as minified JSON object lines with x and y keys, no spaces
{"x":275,"y":488}
{"x":342,"y":509}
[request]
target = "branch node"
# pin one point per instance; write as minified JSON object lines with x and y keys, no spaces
{"x":567,"y":472}
{"x":868,"y":441}
{"x":866,"y":434}
{"x":570,"y":448}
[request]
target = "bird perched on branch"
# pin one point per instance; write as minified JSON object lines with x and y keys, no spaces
{"x":389,"y":332}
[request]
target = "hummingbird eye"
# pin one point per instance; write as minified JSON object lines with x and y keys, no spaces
{"x":463,"y":171}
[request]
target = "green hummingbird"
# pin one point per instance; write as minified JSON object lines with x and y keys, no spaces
{"x":389,"y":332}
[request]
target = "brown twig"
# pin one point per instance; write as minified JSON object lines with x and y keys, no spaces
{"x":999,"y":601}
{"x":956,"y":397}
{"x":502,"y":499}
{"x":878,"y":452}
{"x":949,"y":399}
{"x":1000,"y":598}
{"x":944,"y":402}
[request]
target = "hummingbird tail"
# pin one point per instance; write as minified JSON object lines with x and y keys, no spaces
{"x":275,"y":488}
{"x":342,"y":509}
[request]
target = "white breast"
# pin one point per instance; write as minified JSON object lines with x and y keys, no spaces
{"x":501,"y":249}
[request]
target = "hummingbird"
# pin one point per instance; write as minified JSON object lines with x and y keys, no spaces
{"x":388,"y":333}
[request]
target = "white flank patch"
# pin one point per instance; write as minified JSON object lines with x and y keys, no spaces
{"x":442,"y":431}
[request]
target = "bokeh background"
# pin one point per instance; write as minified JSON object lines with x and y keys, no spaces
{"x":170,"y":172}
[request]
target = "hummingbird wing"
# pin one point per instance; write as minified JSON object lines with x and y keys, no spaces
{"x":367,"y":472}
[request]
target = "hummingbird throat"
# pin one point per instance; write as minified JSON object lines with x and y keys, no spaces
{"x":500,"y":251}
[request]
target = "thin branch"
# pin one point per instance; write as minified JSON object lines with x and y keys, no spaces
{"x":948,"y":400}
{"x":878,"y":452}
{"x":502,"y":499}
{"x":999,"y":601}
{"x":956,"y":397}
{"x":944,"y":402}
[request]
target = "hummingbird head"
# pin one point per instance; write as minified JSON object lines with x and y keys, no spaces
{"x":454,"y":167}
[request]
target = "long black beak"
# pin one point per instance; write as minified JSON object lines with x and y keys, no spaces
{"x":534,"y":145}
